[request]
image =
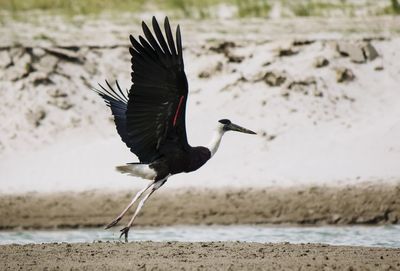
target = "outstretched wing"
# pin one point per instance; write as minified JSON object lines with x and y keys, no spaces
{"x":154,"y":112}
{"x":157,"y":99}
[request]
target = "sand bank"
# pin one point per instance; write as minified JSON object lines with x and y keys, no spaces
{"x":323,"y":114}
{"x":196,"y":256}
{"x":363,"y":204}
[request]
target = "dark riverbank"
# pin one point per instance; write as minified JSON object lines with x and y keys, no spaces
{"x":367,"y":204}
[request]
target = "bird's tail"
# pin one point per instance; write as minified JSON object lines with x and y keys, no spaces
{"x":138,"y":170}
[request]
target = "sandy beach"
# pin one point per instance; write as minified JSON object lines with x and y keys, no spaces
{"x":196,"y":256}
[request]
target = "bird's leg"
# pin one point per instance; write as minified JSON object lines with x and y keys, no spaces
{"x":155,"y":186}
{"x":137,"y":196}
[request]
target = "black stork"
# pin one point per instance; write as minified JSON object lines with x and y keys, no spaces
{"x":150,"y":117}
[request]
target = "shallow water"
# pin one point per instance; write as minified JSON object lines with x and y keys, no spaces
{"x":378,"y":236}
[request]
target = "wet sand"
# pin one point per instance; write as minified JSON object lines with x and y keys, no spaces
{"x":363,"y":204}
{"x":196,"y":256}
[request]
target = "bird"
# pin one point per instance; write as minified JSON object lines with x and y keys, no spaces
{"x":150,"y":116}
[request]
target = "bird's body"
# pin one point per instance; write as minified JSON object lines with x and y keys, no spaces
{"x":173,"y":161}
{"x":150,"y":119}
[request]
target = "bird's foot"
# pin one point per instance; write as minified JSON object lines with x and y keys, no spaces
{"x":113,"y":223}
{"x":124,"y":232}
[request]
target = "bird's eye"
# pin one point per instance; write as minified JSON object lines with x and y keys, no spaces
{"x":225,"y":121}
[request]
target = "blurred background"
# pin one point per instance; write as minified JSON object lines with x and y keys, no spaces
{"x":205,"y":9}
{"x":318,"y":80}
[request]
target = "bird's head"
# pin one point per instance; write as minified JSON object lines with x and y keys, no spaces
{"x":227,"y":125}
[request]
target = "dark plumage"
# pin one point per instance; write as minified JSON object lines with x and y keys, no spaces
{"x":151,"y":118}
{"x":151,"y":121}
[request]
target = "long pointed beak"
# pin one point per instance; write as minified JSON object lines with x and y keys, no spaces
{"x":234,"y":127}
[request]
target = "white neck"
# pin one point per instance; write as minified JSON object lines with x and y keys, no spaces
{"x":216,"y":140}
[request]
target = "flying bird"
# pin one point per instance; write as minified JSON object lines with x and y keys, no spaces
{"x":150,"y":117}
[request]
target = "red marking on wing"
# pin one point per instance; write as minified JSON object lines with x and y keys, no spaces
{"x":177,"y":110}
